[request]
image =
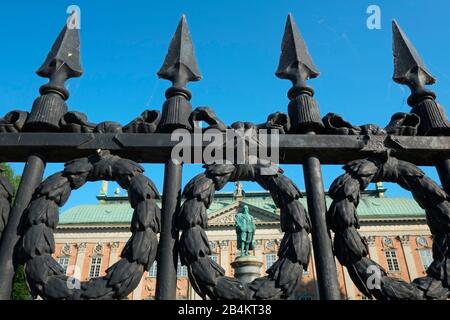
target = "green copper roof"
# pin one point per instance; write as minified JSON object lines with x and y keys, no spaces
{"x":369,"y":206}
{"x":117,"y":212}
{"x":389,"y":208}
{"x":97,"y":213}
{"x":113,"y":211}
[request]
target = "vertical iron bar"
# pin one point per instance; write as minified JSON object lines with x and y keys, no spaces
{"x":297,"y":66}
{"x":410,"y":69}
{"x":324,"y":259}
{"x":62,"y":63}
{"x":180,"y":67}
{"x":32,"y":176}
{"x":166,"y":278}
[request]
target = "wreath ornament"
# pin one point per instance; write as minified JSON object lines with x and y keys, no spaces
{"x":351,"y":249}
{"x":45,"y":276}
{"x":206,"y":276}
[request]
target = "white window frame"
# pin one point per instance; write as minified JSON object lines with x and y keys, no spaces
{"x":153,"y":270}
{"x":429,"y":254}
{"x":64,"y":262}
{"x":392,"y":260}
{"x":270,"y":259}
{"x":181,"y":270}
{"x":95,"y":266}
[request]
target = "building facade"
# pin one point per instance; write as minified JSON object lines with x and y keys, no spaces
{"x":90,"y":238}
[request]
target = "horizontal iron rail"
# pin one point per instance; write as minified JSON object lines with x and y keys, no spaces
{"x":156,"y":147}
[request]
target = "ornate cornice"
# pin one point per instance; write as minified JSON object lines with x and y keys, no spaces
{"x":404,"y":239}
{"x":370,"y":240}
{"x":81,"y":247}
{"x":114,"y":245}
{"x":224,"y":244}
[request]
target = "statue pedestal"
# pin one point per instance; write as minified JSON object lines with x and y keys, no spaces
{"x":247,"y":268}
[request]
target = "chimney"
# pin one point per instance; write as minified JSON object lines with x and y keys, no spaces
{"x":104,"y":188}
{"x":238,"y":192}
{"x":380,"y":189}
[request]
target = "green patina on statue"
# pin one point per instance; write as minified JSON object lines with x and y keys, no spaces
{"x":245,"y":229}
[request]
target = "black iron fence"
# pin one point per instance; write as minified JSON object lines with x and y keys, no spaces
{"x":111,"y":151}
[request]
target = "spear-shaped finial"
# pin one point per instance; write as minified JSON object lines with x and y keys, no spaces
{"x":295,"y":61}
{"x":410,"y":70}
{"x":65,"y":50}
{"x":61,"y":64}
{"x":296,"y":65}
{"x":180,"y":67}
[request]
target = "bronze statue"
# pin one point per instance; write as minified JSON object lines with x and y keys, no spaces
{"x":245,"y":229}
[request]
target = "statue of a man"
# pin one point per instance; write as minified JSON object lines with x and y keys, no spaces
{"x":245,"y":229}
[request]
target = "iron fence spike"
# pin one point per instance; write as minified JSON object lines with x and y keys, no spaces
{"x":409,"y":69}
{"x":295,"y":61}
{"x":180,"y":65}
{"x":61,"y":64}
{"x":65,"y":51}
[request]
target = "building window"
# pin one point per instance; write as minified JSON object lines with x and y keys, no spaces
{"x":270,"y":260}
{"x":392,"y":262}
{"x":94,"y":270}
{"x":181,"y":270}
{"x":64,"y":263}
{"x":152,"y":271}
{"x":427,"y":257}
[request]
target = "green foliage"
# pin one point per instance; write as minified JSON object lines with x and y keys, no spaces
{"x":20,"y":288}
{"x":6,"y":170}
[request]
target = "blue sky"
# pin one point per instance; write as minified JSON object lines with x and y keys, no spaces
{"x":237,"y":44}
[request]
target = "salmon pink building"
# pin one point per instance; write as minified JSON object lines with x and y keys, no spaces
{"x":91,"y":237}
